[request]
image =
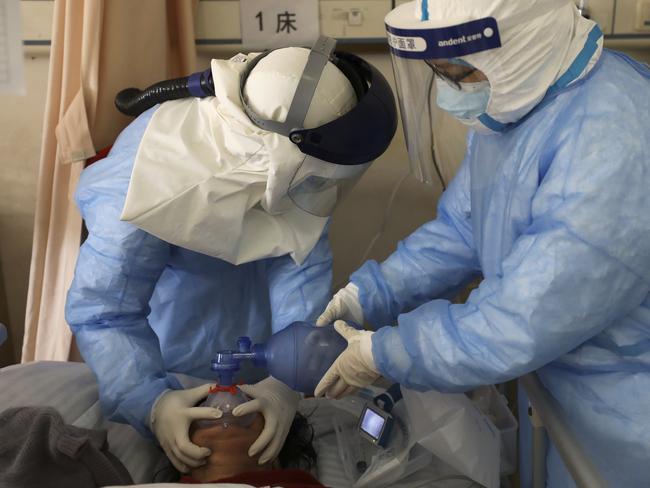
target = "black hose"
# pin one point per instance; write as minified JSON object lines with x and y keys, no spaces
{"x":133,"y":101}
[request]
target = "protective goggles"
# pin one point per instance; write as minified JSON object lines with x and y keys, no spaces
{"x":453,"y":71}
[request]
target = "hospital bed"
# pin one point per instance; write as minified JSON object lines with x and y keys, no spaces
{"x":71,"y":389}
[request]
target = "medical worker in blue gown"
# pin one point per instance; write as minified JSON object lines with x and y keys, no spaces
{"x":202,"y":227}
{"x":551,"y":206}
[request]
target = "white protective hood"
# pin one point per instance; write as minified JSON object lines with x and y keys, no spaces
{"x":540,"y":40}
{"x":207,"y":179}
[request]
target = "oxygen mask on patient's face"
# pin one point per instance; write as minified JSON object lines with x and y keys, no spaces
{"x":226,"y":398}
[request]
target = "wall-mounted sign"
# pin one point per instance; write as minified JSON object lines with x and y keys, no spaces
{"x":268,"y":24}
{"x":11,"y":49}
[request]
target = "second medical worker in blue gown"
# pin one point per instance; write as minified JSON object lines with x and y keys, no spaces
{"x":551,"y":206}
{"x":203,"y":226}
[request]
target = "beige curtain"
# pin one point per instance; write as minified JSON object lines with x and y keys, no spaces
{"x":98,"y":48}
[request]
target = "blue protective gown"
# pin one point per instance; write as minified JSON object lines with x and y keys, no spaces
{"x":555,"y":214}
{"x":141,"y":308}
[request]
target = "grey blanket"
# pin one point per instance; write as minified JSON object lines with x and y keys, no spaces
{"x":38,"y":450}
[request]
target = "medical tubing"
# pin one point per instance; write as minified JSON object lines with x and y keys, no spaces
{"x":382,"y":227}
{"x":387,"y":212}
{"x":434,"y":157}
{"x":133,"y":101}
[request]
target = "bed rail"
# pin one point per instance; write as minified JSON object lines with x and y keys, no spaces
{"x":583,"y":470}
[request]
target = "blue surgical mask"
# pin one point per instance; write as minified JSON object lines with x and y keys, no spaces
{"x":466,"y":103}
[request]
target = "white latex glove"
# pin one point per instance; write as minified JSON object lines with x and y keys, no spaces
{"x":277,"y":403}
{"x":355,"y":366}
{"x":171,"y":416}
{"x":343,"y":306}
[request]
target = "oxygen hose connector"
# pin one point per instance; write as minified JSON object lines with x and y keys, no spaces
{"x":227,"y":363}
{"x":133,"y":101}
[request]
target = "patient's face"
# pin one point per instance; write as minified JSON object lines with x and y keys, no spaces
{"x":229,"y":450}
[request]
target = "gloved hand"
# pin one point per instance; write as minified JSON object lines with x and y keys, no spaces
{"x":171,"y":416}
{"x":344,"y":306}
{"x":355,"y":366}
{"x":277,"y":403}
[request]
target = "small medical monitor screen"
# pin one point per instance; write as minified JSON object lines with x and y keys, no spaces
{"x":372,"y":423}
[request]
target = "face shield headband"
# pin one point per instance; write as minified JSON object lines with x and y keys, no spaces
{"x":414,"y":53}
{"x":444,"y":42}
{"x":356,"y":138}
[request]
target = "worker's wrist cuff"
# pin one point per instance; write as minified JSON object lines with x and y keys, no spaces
{"x":153,"y":409}
{"x":365,"y":349}
{"x":350,"y":295}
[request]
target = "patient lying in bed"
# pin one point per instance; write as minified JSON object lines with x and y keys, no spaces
{"x":230,"y":462}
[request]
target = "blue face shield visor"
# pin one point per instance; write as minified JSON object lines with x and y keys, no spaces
{"x":356,"y":138}
{"x":339,"y":152}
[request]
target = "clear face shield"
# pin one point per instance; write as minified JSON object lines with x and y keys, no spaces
{"x":417,"y":100}
{"x":418,"y":83}
{"x":423,"y":56}
{"x":318,"y":186}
